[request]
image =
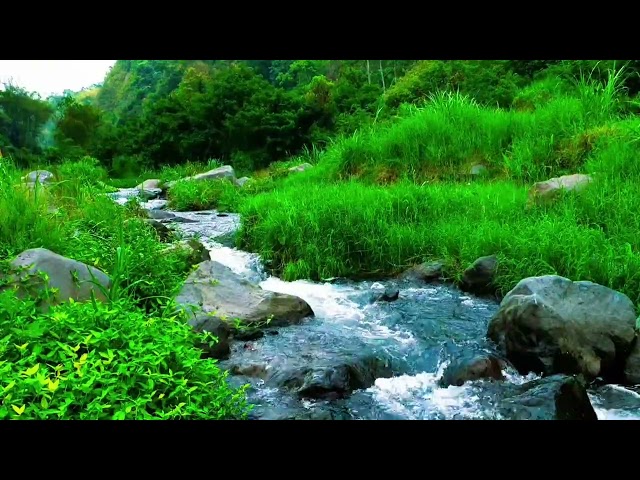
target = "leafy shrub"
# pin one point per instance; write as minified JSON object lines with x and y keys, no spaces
{"x":93,"y":361}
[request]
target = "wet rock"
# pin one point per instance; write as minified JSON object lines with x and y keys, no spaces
{"x":616,"y":401}
{"x":160,"y":215}
{"x":219,"y":346}
{"x":478,"y":278}
{"x":632,"y":365}
{"x":149,"y":194}
{"x":178,"y":219}
{"x":248,"y":335}
{"x":390,"y":294}
{"x":164,"y":233}
{"x":71,"y":278}
{"x":549,"y":190}
{"x":425,"y":272}
{"x":559,"y":397}
{"x":550,"y":324}
{"x":329,"y":378}
{"x":254,"y":370}
{"x":469,"y":368}
{"x":301,"y":168}
{"x":215,"y":288}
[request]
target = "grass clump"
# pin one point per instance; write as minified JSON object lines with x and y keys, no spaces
{"x":191,"y":195}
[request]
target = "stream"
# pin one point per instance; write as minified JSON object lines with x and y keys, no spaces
{"x":417,"y":336}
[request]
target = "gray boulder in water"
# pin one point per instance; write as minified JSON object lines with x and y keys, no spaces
{"x":558,"y":397}
{"x":473,"y":367}
{"x":324,"y":378}
{"x":215,"y":290}
{"x":550,"y":324}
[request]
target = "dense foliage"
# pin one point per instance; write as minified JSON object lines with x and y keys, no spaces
{"x":130,"y":358}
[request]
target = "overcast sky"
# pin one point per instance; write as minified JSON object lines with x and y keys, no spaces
{"x":54,"y":76}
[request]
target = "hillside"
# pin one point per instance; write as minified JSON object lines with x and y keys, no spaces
{"x":333,"y":239}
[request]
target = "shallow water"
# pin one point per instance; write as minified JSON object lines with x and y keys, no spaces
{"x":417,"y":335}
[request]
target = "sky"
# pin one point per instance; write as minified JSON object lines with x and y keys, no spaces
{"x":49,"y":77}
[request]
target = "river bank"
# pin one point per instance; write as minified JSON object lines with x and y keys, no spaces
{"x":400,"y":349}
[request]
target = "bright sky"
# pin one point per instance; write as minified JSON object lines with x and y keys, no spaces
{"x":54,"y":76}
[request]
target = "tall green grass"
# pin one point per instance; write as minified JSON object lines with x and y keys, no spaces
{"x":333,"y":221}
{"x":451,"y":132}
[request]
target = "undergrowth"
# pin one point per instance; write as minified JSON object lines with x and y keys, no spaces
{"x":126,"y":359}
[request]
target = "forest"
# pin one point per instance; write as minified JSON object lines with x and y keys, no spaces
{"x":340,"y":169}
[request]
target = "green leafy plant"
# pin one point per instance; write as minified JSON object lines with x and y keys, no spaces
{"x":112,"y":361}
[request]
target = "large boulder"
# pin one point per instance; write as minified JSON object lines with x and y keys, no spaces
{"x":550,"y":324}
{"x":225,"y":172}
{"x":559,"y":397}
{"x":478,"y":277}
{"x":37,"y":270}
{"x":215,"y":289}
{"x":548,"y":190}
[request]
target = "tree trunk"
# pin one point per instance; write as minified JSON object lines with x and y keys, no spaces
{"x":368,"y":72}
{"x":384,"y":88}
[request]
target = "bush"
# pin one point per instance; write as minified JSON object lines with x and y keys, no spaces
{"x":489,"y":82}
{"x":99,"y":362}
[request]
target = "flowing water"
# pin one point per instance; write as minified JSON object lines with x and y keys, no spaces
{"x":417,"y":336}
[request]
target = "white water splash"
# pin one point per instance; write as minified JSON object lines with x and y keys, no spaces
{"x":419,"y":396}
{"x":327,"y":301}
{"x":242,"y":263}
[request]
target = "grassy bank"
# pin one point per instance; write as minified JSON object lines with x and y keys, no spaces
{"x":130,"y":358}
{"x":399,"y":194}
